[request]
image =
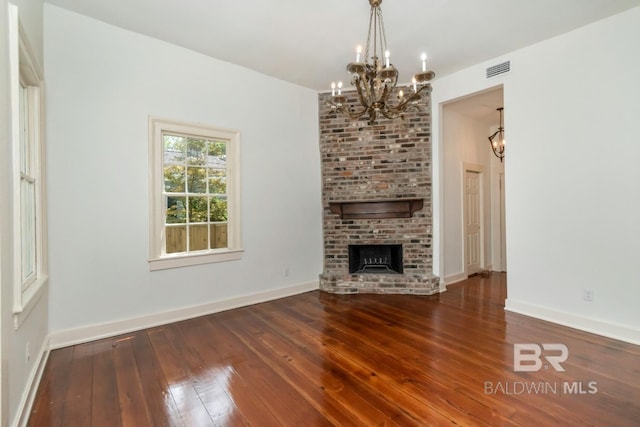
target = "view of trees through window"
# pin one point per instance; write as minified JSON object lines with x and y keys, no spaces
{"x":195,"y":193}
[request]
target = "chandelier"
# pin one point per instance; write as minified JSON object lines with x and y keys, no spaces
{"x":497,"y":139}
{"x":376,"y":79}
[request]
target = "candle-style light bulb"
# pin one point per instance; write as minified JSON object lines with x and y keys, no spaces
{"x":339,"y":88}
{"x":358,"y":52}
{"x":387,"y":54}
{"x":423,"y":57}
{"x":333,"y":88}
{"x":401,"y":94}
{"x":413,"y":80}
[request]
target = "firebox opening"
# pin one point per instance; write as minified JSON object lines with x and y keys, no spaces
{"x":375,"y":259}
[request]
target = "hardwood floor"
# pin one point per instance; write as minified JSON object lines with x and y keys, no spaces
{"x":319,"y":359}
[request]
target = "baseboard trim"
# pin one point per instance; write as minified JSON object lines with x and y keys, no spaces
{"x":594,"y":326}
{"x":455,"y":278}
{"x":443,"y":286}
{"x":33,"y":381}
{"x":84,"y":334}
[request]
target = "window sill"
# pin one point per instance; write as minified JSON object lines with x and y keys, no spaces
{"x":30,"y":298}
{"x":177,"y":261}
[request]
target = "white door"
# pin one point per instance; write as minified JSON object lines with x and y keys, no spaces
{"x":472,"y":222}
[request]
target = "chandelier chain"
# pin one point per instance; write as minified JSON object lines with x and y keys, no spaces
{"x":366,"y":51}
{"x":383,"y":32}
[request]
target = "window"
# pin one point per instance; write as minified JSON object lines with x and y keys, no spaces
{"x":29,"y":235}
{"x":28,"y":180}
{"x":195,"y":203}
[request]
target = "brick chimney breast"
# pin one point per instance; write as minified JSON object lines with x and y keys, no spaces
{"x":376,"y":190}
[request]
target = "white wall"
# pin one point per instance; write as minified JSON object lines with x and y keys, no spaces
{"x":572,"y":174}
{"x":103,"y":83}
{"x":17,"y":373}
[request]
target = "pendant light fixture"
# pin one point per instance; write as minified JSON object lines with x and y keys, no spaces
{"x":497,"y":139}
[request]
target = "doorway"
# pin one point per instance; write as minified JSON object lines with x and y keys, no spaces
{"x":473,"y":187}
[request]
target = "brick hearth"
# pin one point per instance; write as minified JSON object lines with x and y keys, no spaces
{"x":387,"y":162}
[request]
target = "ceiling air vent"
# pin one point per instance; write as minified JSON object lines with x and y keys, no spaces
{"x":496,"y":70}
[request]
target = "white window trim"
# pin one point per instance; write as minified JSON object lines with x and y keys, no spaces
{"x":24,"y":68}
{"x":158,"y":260}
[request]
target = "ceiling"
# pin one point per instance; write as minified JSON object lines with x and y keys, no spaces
{"x":482,"y":107}
{"x":309,"y":42}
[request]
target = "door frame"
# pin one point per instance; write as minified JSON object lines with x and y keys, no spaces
{"x":503,"y":227}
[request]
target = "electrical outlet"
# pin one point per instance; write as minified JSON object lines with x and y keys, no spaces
{"x":587,"y":295}
{"x":27,"y":353}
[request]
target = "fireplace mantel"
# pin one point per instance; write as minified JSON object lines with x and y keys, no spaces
{"x":376,"y":209}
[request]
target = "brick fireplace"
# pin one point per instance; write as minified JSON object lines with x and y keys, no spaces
{"x":376,"y":197}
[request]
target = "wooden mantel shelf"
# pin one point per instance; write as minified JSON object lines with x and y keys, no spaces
{"x":376,"y":209}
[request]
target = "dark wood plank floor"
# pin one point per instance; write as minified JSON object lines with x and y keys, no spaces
{"x":318,"y":359}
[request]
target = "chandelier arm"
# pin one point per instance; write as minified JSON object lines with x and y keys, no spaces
{"x":385,"y":94}
{"x":340,"y":108}
{"x":388,"y":88}
{"x":362,"y":83}
{"x":343,"y":110}
{"x":411,"y":98}
{"x":363,"y":100}
{"x":394,"y":112}
{"x":389,"y":114}
{"x":346,"y":111}
{"x":351,"y":114}
{"x":356,"y":114}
